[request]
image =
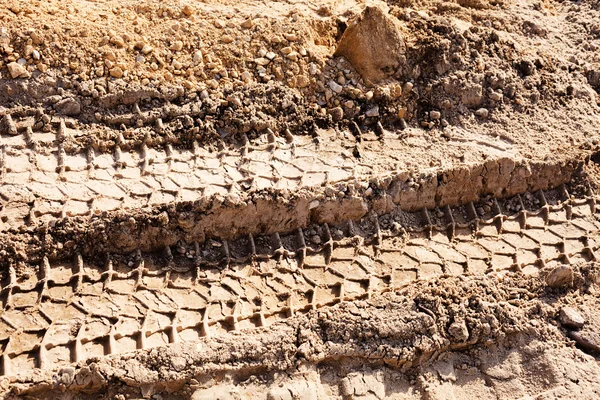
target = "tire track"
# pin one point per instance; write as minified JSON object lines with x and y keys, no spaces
{"x":75,"y":309}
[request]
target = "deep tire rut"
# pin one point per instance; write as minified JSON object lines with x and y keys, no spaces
{"x":76,"y":309}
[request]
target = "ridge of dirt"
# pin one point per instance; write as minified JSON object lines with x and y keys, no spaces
{"x":228,"y":217}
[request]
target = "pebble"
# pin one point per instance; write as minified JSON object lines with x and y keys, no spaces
{"x":28,"y":50}
{"x":270,"y":55}
{"x":337,"y":113}
{"x":247,"y":24}
{"x":335,"y":86}
{"x":496,"y":96}
{"x":372,"y":112}
{"x":147,"y":49}
{"x":197,"y":57}
{"x":16,"y":70}
{"x":227,"y":39}
{"x":316,"y":239}
{"x":117,"y":41}
{"x":560,"y":276}
{"x":246,"y":76}
{"x":116,"y":72}
{"x":187,"y":10}
{"x":570,"y":318}
{"x":177,"y":45}
{"x":292,"y":56}
{"x":219,"y":23}
{"x":286,"y":50}
{"x":290,"y":37}
{"x":302,"y":81}
{"x":313,"y":69}
{"x":435,"y":115}
{"x":482,"y":113}
{"x":261,"y":61}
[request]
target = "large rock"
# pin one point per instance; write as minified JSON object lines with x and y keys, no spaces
{"x":16,"y":70}
{"x":373,"y":44}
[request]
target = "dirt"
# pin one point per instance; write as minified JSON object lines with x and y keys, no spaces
{"x":299,"y":200}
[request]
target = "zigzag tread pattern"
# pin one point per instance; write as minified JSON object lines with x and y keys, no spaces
{"x":70,"y":310}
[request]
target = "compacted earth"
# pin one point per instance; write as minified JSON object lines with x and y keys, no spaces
{"x":299,"y":199}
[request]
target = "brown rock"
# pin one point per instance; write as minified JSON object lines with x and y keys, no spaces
{"x":589,"y":341}
{"x":373,"y":44}
{"x":560,"y":276}
{"x":16,"y":70}
{"x":116,"y":72}
{"x":570,"y":318}
{"x":187,"y":10}
{"x":337,"y":113}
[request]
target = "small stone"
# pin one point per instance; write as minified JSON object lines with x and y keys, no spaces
{"x":16,"y":70}
{"x":213,"y":83}
{"x":435,"y":114}
{"x":234,"y":100}
{"x":36,"y":55}
{"x":290,"y":37}
{"x":177,"y":45}
{"x":116,"y":72}
{"x":261,"y":61}
{"x":187,"y":10}
{"x":373,"y":112}
{"x":247,"y":24}
{"x":246,"y":77}
{"x":286,"y":50}
{"x":147,"y":49}
{"x":559,"y":277}
{"x":68,"y":106}
{"x":336,"y":113}
{"x":227,"y":39}
{"x":482,"y":113}
{"x":313,"y":69}
{"x":408,"y":87}
{"x":335,"y":86}
{"x":176,"y":64}
{"x":28,"y":50}
{"x":496,"y":96}
{"x":197,"y":58}
{"x":220,"y":24}
{"x":315,"y":239}
{"x":570,"y":318}
{"x":117,"y":41}
{"x":270,"y":55}
{"x":302,"y":81}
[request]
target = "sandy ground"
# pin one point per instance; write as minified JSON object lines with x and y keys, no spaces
{"x":299,"y":200}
